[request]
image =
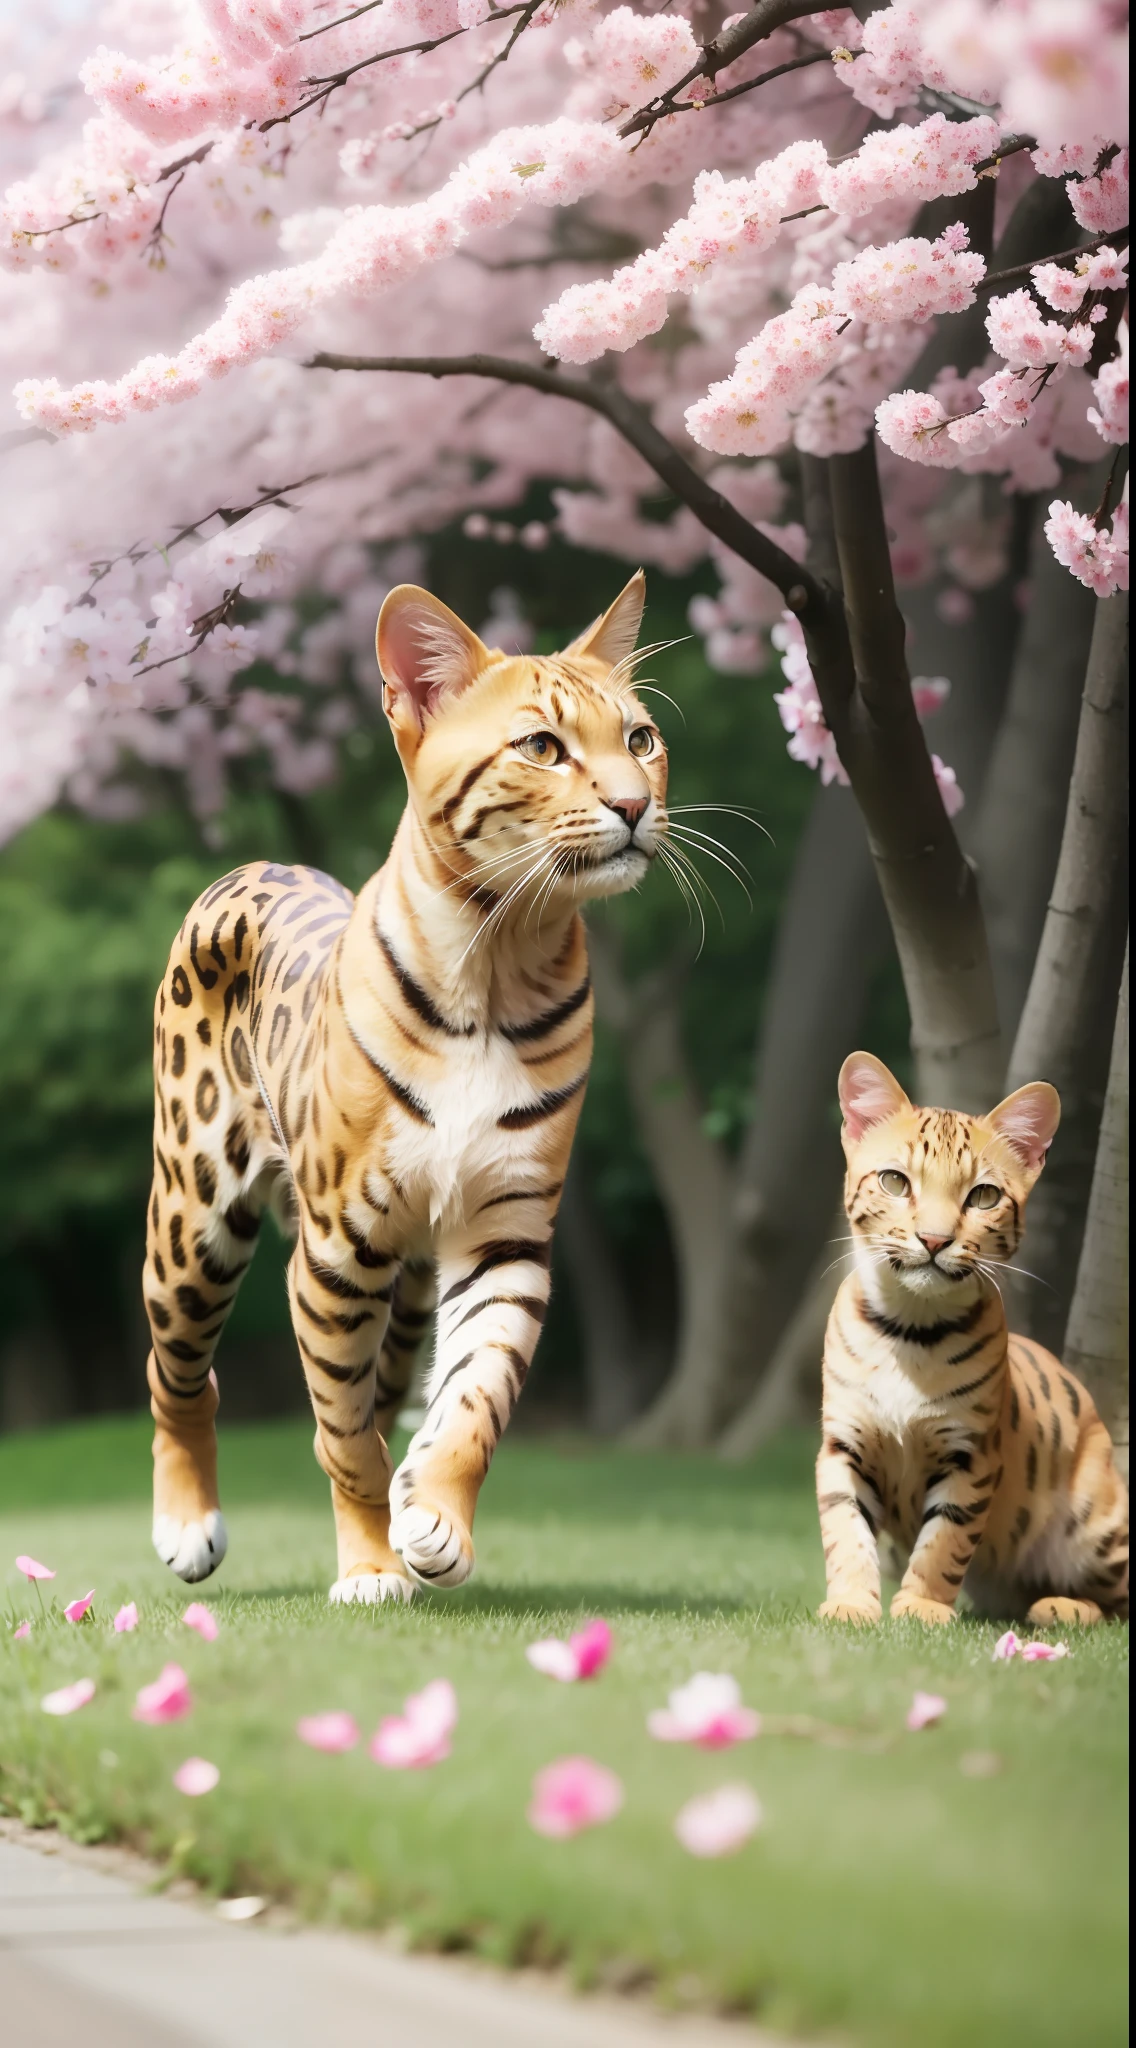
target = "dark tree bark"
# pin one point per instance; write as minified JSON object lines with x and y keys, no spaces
{"x":604,"y":1312}
{"x":1017,"y":833}
{"x":1065,"y":1035}
{"x":1096,"y":1340}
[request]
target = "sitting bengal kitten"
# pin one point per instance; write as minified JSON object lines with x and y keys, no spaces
{"x":973,"y":1450}
{"x":408,"y":1068}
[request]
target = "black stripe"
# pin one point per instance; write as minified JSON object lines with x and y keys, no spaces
{"x":1070,"y":1387}
{"x":334,"y":1282}
{"x":343,"y":1375}
{"x":519,"y":1034}
{"x":924,"y":1334}
{"x":528,"y":1302}
{"x":545,"y":1106}
{"x":523,"y":1195}
{"x":405,"y":1096}
{"x":508,"y":1252}
{"x":415,"y":997}
{"x":464,"y":787}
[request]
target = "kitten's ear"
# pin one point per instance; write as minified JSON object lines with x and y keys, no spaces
{"x":612,"y":638}
{"x":425,"y":655}
{"x":868,"y":1093}
{"x":1028,"y":1121}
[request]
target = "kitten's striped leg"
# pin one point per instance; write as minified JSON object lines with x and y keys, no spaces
{"x":340,"y":1320}
{"x":492,"y":1302}
{"x":848,"y":1505}
{"x":412,"y":1310}
{"x":956,"y":1508}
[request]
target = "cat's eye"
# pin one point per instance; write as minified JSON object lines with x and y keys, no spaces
{"x":641,"y":742}
{"x":984,"y":1196}
{"x":542,"y":748}
{"x":894,"y":1183}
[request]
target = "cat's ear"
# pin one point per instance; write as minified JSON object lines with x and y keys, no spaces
{"x":426,"y":656}
{"x":868,"y":1093}
{"x":612,"y":638}
{"x":1028,"y":1121}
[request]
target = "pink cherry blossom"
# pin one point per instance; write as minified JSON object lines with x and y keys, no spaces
{"x":1096,"y":558}
{"x":32,"y":1570}
{"x":1044,"y":1653}
{"x":69,"y":1698}
{"x":1007,"y":1646}
{"x":947,"y":780}
{"x":707,"y":1710}
{"x":201,"y":1619}
{"x":420,"y":1735}
{"x":22,"y":1632}
{"x":167,"y":1699}
{"x":720,"y":1822}
{"x":926,"y":1708}
{"x":572,"y":1794}
{"x":126,"y":1619}
{"x":76,"y":1609}
{"x":332,"y":1732}
{"x":196,"y":1776}
{"x":580,"y":1657}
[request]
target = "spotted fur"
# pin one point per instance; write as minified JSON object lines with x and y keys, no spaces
{"x":401,"y":1075}
{"x":974,"y":1453}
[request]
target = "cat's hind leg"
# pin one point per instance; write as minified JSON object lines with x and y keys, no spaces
{"x":1055,"y":1609}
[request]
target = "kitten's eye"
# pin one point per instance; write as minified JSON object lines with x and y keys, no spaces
{"x":641,"y":742}
{"x":894,"y":1183}
{"x":985,"y":1196}
{"x":542,"y":748}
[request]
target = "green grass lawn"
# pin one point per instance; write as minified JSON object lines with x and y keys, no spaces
{"x":891,"y":1897}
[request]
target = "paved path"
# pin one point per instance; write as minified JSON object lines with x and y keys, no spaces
{"x":89,"y":1959}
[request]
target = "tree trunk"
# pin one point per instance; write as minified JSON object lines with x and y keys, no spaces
{"x":691,"y":1173}
{"x":1017,"y":832}
{"x":928,"y":887}
{"x":1065,"y":1034}
{"x":611,"y":1348}
{"x":1096,"y":1341}
{"x":790,"y":1389}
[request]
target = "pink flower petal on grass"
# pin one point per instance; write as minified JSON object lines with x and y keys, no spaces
{"x":572,"y":1794}
{"x":925,"y":1709}
{"x":168,"y":1699}
{"x":202,"y":1618}
{"x":420,"y":1735}
{"x":1007,"y":1646}
{"x":69,"y":1698}
{"x":706,"y":1710}
{"x":76,"y":1609}
{"x":720,"y":1822}
{"x":331,"y":1732}
{"x":580,"y":1657}
{"x":196,"y":1776}
{"x":32,"y":1570}
{"x":21,"y":1634}
{"x":126,"y":1619}
{"x":1044,"y":1653}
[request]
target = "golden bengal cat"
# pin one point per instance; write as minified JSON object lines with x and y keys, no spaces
{"x":403,"y":1072}
{"x":973,"y":1450}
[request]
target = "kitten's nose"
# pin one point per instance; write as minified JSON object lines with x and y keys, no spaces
{"x":629,"y":808}
{"x":933,"y":1244}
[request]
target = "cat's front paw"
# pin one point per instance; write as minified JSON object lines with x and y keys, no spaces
{"x":862,"y":1615}
{"x":933,"y":1612}
{"x":370,"y":1589}
{"x":434,"y":1548}
{"x":192,"y":1549}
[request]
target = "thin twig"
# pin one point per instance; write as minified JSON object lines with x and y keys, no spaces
{"x":1119,"y":240}
{"x":723,"y":50}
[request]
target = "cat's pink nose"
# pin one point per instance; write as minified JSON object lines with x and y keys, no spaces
{"x":933,"y":1244}
{"x":629,"y":808}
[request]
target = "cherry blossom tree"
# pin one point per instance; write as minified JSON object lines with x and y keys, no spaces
{"x":783,"y":290}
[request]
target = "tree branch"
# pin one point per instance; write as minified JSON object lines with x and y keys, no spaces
{"x":725,"y":49}
{"x":798,"y":586}
{"x":734,"y":92}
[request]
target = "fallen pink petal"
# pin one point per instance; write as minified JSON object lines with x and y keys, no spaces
{"x":925,"y":1709}
{"x":32,"y":1569}
{"x":420,"y":1735}
{"x":1007,"y":1646}
{"x":572,"y":1794}
{"x":167,"y":1699}
{"x":76,"y":1609}
{"x":21,"y":1634}
{"x":203,"y":1619}
{"x":707,"y":1710}
{"x":126,"y":1619}
{"x":69,"y":1698}
{"x":1044,"y":1653}
{"x":580,"y":1657}
{"x":332,"y":1732}
{"x":196,"y":1776}
{"x":719,"y":1823}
